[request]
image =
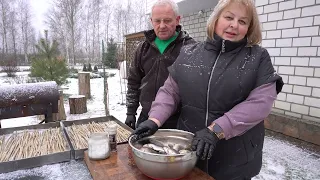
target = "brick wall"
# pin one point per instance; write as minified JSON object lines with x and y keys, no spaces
{"x":195,"y":24}
{"x":291,"y":34}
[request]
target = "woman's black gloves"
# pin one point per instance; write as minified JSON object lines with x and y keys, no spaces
{"x":204,"y":142}
{"x":146,"y":128}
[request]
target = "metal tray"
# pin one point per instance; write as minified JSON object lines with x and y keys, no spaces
{"x":79,"y":153}
{"x":39,"y":160}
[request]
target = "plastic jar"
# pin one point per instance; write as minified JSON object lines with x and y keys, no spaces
{"x":98,"y":146}
{"x":112,"y":131}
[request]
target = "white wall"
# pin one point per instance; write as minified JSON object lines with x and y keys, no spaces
{"x":291,"y":34}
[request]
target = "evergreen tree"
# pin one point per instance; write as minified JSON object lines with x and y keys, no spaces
{"x":95,"y":68}
{"x":110,"y":56}
{"x":89,"y":68}
{"x":47,"y":63}
{"x":84,"y":69}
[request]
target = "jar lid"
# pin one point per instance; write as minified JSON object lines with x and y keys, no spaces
{"x":99,"y":135}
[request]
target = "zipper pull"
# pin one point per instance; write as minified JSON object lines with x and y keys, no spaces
{"x":223,"y":49}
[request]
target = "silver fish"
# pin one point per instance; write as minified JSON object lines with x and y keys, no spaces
{"x":170,"y":151}
{"x":184,"y":151}
{"x":148,"y":150}
{"x":154,"y":147}
{"x":177,"y":147}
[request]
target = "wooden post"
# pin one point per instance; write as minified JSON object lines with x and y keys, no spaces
{"x":84,"y":84}
{"x":78,"y":104}
{"x":61,"y":115}
{"x":106,"y":96}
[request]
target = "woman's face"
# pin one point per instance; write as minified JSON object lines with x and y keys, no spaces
{"x":233,"y":22}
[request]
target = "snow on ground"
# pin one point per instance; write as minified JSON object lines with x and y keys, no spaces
{"x":95,"y":105}
{"x":283,"y":158}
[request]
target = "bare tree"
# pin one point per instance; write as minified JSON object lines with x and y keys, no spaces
{"x":107,"y":17}
{"x":117,"y":17}
{"x":13,"y":32}
{"x":58,"y":29}
{"x":26,"y":28}
{"x":4,"y":15}
{"x":70,"y":10}
{"x":127,"y":18}
{"x":86,"y":19}
{"x":140,"y":18}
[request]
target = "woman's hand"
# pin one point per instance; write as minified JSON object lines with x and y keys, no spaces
{"x":144,"y":129}
{"x":204,"y":142}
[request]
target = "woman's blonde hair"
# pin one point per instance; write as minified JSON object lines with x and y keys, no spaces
{"x":254,"y":34}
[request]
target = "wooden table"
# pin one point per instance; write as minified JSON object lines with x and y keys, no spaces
{"x":119,"y":166}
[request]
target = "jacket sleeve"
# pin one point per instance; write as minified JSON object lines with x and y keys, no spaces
{"x":135,"y":75}
{"x":166,"y":101}
{"x":250,"y":112}
{"x":266,"y":72}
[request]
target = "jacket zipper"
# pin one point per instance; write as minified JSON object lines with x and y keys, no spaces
{"x":212,"y":70}
{"x":208,"y":91}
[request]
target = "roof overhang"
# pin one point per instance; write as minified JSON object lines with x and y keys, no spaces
{"x":191,"y":6}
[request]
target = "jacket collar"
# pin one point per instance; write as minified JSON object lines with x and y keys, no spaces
{"x":219,"y":44}
{"x":151,"y":35}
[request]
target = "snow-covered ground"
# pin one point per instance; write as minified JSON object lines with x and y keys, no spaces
{"x":283,"y":157}
{"x":95,"y":105}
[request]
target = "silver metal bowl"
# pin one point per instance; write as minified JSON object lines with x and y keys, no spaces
{"x":161,"y":166}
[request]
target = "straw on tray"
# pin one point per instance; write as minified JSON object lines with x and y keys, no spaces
{"x":31,"y":143}
{"x":79,"y":134}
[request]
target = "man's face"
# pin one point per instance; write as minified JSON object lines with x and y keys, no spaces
{"x":164,"y":21}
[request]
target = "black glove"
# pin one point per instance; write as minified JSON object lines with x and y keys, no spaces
{"x":131,"y":121}
{"x":146,"y":128}
{"x":204,"y":142}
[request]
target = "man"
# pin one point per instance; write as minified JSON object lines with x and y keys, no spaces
{"x":148,"y":70}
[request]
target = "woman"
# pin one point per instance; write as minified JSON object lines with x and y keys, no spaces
{"x":226,"y":87}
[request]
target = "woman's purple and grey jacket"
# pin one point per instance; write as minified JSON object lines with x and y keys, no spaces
{"x":231,"y":84}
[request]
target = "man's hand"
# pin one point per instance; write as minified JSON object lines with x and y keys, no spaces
{"x":204,"y":142}
{"x":146,"y":128}
{"x":131,"y":121}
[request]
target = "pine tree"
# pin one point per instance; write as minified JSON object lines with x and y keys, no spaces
{"x":47,"y":63}
{"x":89,"y":68}
{"x":110,"y":56}
{"x":95,"y":68}
{"x":84,"y":69}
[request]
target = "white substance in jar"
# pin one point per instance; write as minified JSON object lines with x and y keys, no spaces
{"x":98,"y":146}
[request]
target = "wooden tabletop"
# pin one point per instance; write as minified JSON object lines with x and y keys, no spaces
{"x":120,"y":166}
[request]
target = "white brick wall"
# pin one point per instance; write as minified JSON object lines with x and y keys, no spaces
{"x":301,"y":3}
{"x":299,"y":61}
{"x":195,"y":25}
{"x":292,"y":37}
{"x":287,"y":5}
{"x":302,"y":90}
{"x":291,"y":34}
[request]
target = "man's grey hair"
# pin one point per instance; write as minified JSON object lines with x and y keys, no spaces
{"x":171,"y":3}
